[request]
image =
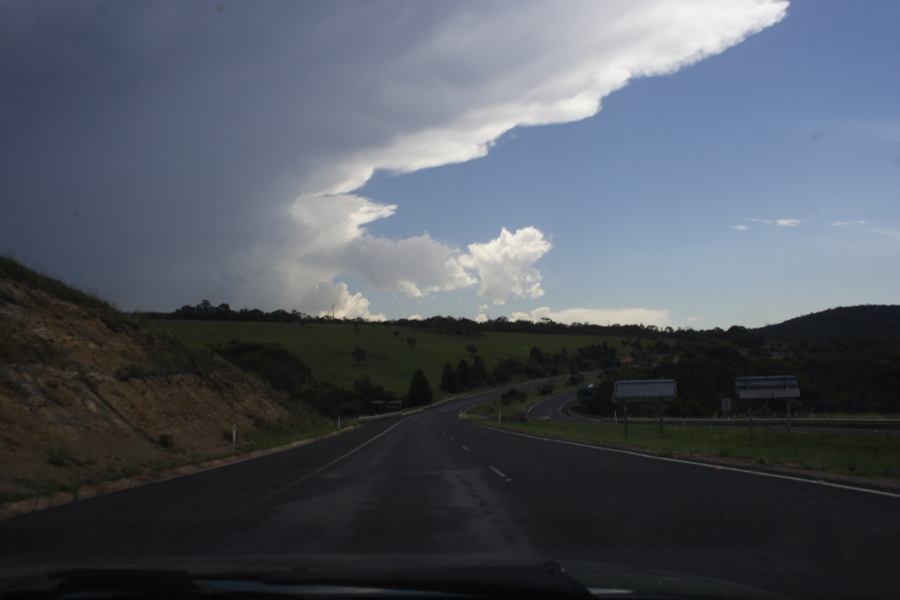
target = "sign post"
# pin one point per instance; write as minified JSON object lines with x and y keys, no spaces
{"x":777,"y":387}
{"x":644,"y":390}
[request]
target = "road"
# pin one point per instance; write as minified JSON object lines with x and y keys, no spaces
{"x":430,"y":483}
{"x":554,"y":407}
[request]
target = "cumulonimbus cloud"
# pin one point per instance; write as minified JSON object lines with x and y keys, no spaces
{"x":247,"y":155}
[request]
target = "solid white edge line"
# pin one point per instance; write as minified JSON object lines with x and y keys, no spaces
{"x":702,"y":464}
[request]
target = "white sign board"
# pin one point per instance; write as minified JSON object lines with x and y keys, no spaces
{"x":638,"y":390}
{"x":767,"y":388}
{"x":726,"y":406}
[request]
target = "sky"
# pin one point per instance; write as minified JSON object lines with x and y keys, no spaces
{"x":678,"y":163}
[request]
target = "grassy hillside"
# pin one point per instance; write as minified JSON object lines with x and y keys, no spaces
{"x":390,"y":360}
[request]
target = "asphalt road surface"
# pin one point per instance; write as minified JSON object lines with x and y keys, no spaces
{"x":430,"y":484}
{"x":554,"y":407}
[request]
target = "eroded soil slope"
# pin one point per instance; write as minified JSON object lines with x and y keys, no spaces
{"x":88,"y":393}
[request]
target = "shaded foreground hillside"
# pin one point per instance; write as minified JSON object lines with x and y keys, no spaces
{"x":87,"y":393}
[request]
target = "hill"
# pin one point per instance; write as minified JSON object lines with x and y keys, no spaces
{"x":88,"y":393}
{"x":390,"y":356}
{"x":870,"y":321}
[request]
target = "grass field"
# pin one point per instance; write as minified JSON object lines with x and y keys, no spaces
{"x":846,"y":454}
{"x":390,"y":361}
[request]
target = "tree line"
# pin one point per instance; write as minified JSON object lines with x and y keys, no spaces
{"x":287,"y":373}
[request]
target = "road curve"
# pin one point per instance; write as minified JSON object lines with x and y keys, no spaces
{"x":554,"y":407}
{"x":430,"y":483}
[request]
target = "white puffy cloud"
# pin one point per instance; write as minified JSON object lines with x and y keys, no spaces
{"x":599,"y":316}
{"x":415,"y":317}
{"x":845,"y":223}
{"x":783,"y":222}
{"x":787,"y":222}
{"x":414,"y":266}
{"x":505,"y":265}
{"x":280,"y":129}
{"x":481,"y":318}
{"x":346,"y":304}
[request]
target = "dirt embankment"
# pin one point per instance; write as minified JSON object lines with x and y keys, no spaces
{"x":88,"y":394}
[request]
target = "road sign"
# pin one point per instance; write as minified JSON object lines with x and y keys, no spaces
{"x":764,"y":388}
{"x":773,"y":387}
{"x":644,"y":390}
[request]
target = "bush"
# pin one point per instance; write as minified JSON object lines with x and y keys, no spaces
{"x":271,"y":362}
{"x":513,"y":395}
{"x":59,"y":456}
{"x":546,"y":389}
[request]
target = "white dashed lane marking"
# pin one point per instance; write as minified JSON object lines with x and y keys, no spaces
{"x":500,"y":473}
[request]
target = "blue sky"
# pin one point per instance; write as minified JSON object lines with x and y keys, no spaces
{"x":800,"y":121}
{"x":369,"y":156}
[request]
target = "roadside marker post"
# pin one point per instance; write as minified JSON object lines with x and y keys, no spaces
{"x":233,"y":437}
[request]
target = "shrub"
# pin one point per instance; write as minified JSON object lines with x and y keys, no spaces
{"x":513,"y":395}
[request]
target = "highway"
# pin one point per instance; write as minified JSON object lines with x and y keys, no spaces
{"x":554,"y":407}
{"x":431,"y":484}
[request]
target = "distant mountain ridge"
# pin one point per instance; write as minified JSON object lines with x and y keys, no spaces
{"x":849,"y":322}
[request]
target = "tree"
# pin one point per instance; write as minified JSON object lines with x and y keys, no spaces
{"x":536,"y":357}
{"x":419,"y":393}
{"x":480,"y":375}
{"x":359,"y":355}
{"x":463,"y":375}
{"x":448,"y":379}
{"x":472,"y":349}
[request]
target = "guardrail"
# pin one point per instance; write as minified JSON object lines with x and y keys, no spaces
{"x":741,"y":421}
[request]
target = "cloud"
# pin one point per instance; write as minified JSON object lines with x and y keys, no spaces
{"x":740,"y":227}
{"x":693,"y":319}
{"x":346,"y":305}
{"x":505,"y":265}
{"x":783,"y":222}
{"x":891,"y":233}
{"x":845,"y":223}
{"x":481,"y":318}
{"x":246,"y":149}
{"x":599,"y":316}
{"x":415,"y":317}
